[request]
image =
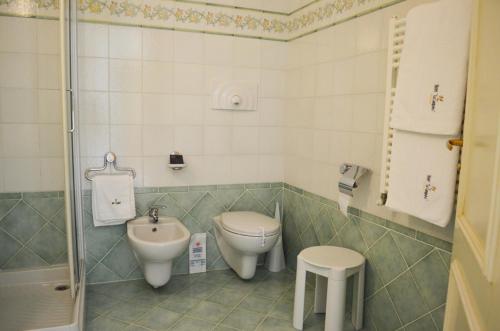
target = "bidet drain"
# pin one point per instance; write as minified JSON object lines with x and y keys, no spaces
{"x":61,"y":288}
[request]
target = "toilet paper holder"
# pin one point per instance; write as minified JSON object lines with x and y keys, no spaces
{"x":350,"y":176}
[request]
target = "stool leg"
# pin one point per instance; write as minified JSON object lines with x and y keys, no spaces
{"x":320,"y":294}
{"x":335,"y":305}
{"x":358,"y":299}
{"x":300,"y":289}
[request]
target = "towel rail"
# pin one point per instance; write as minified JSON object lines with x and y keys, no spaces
{"x":109,"y":158}
{"x":397,"y":31}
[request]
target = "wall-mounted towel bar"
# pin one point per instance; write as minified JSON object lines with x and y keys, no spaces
{"x":397,"y":27}
{"x":397,"y":31}
{"x":109,"y":158}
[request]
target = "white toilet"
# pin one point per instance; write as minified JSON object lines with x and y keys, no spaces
{"x":242,"y":236}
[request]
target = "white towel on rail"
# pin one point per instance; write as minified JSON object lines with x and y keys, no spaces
{"x":422,"y":177}
{"x":432,"y":75}
{"x":113,"y":200}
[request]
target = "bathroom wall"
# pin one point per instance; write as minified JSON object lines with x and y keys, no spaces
{"x":30,"y":114}
{"x":147,"y":92}
{"x":32,"y":229}
{"x":406,"y":270}
{"x":108,"y":254}
{"x":335,"y":110}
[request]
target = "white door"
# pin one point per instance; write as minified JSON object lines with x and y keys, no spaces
{"x":474,"y":289}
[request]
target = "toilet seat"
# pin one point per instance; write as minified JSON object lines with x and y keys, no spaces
{"x":250,"y":224}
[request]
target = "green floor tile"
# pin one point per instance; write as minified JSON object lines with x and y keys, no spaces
{"x":243,"y":319}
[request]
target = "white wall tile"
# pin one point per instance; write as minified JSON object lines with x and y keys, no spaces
{"x":48,"y":37}
{"x":52,"y":170}
{"x":188,"y":47}
{"x":364,"y":115}
{"x":216,"y":116}
{"x":94,"y":140}
{"x":18,"y":70}
{"x":245,"y":168}
{"x":51,"y":140}
{"x":126,"y":140}
{"x":216,"y":169}
{"x":188,"y":140}
{"x":247,"y":52}
{"x":157,"y":140}
{"x":93,"y":74}
{"x":324,"y":79}
{"x":125,"y":75}
{"x":323,"y":113}
{"x":343,"y":76}
{"x":125,"y":108}
{"x":49,"y":71}
{"x":20,"y":140}
{"x":188,"y":109}
{"x":157,"y":109}
{"x":307,"y":82}
{"x":340,"y":147}
{"x":189,"y":79}
{"x":369,"y":32}
{"x":22,"y":175}
{"x":369,"y":72}
{"x":135,"y":163}
{"x":93,"y":39}
{"x":216,"y":75}
{"x":125,"y":42}
{"x":218,"y":49}
{"x":274,"y":54}
{"x":271,"y":140}
{"x":321,"y":145}
{"x":94,"y":107}
{"x":49,"y":106}
{"x":156,"y":172}
{"x":157,"y":77}
{"x":217,"y":140}
{"x":272,"y":111}
{"x":18,"y":105}
{"x":344,"y":37}
{"x":245,"y":140}
{"x":273,"y":83}
{"x":157,"y":45}
{"x":271,"y":168}
{"x":24,"y":31}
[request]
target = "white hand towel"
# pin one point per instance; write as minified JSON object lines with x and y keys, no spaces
{"x":113,"y":200}
{"x":432,"y":76}
{"x":422,"y":177}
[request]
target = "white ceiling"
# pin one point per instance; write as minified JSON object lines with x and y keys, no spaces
{"x":283,"y":6}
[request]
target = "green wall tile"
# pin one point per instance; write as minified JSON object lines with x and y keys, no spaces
{"x":412,"y":250}
{"x":382,"y":312}
{"x":22,"y":222}
{"x":424,"y":323}
{"x":431,"y":277}
{"x":400,"y":290}
{"x":386,"y":259}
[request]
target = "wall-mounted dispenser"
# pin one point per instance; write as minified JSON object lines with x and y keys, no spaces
{"x":176,"y":161}
{"x":351,"y":174}
{"x":236,"y":95}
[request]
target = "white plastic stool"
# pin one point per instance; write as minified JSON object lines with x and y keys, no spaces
{"x":332,"y":266}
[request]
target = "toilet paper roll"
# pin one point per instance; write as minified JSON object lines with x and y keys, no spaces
{"x":344,"y":202}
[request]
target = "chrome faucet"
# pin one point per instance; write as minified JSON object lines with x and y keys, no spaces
{"x":153,"y":213}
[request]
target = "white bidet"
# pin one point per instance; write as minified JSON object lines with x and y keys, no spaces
{"x":156,"y":245}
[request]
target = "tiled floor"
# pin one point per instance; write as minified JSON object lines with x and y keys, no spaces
{"x":216,"y":300}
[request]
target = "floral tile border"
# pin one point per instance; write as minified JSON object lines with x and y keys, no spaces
{"x":203,"y":18}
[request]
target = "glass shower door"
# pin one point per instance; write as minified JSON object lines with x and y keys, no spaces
{"x":72,"y":165}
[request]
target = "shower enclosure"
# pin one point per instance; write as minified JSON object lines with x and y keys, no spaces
{"x":42,"y":274}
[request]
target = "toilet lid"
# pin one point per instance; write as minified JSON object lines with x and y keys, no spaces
{"x":249,"y":223}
